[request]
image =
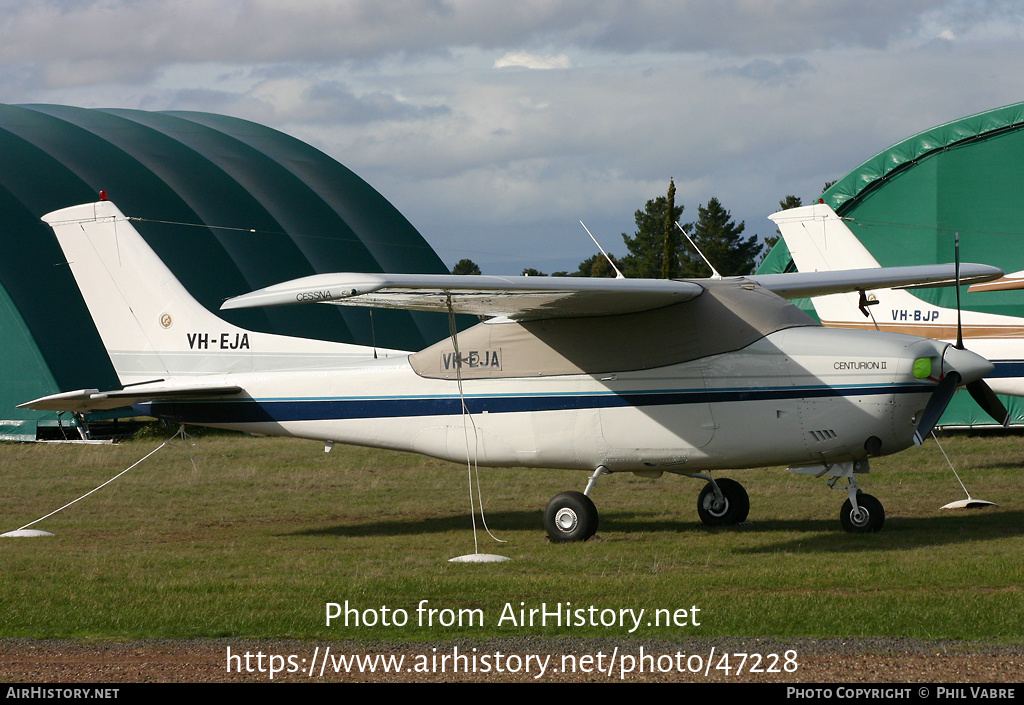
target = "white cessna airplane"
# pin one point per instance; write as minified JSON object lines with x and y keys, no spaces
{"x":603,"y":375}
{"x":819,"y":241}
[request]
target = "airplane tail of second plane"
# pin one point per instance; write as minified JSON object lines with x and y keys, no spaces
{"x":819,"y":241}
{"x":150,"y":324}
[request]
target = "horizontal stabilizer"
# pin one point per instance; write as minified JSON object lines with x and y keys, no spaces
{"x":1011,"y":282}
{"x":94,"y":400}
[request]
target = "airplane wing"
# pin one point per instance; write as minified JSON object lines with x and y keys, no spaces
{"x":517,"y":298}
{"x":95,"y":400}
{"x":527,"y":298}
{"x":791,"y":285}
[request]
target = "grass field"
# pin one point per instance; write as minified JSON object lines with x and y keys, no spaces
{"x":262,"y":533}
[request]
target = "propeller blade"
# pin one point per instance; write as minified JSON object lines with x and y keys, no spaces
{"x":981,"y":392}
{"x":959,"y":326}
{"x":936,"y":405}
{"x":989,"y":402}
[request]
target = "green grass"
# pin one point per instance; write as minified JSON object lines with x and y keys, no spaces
{"x":265,"y":532}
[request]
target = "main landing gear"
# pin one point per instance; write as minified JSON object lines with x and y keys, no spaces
{"x":723,"y":502}
{"x":572,"y":516}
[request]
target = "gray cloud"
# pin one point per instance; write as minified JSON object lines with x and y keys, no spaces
{"x":95,"y":41}
{"x":768,"y":71}
{"x":744,"y":101}
{"x":334,"y":102}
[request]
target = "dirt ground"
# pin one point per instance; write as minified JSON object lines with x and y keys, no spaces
{"x":506,"y":660}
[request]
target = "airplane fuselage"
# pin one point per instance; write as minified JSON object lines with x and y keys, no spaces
{"x":798,"y":396}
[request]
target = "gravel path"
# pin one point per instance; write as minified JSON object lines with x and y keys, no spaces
{"x":819,"y":661}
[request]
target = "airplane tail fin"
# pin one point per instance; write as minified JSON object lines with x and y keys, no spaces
{"x":819,"y":241}
{"x":150,"y":325}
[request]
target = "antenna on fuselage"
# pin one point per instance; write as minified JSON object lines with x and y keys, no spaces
{"x":618,"y":274}
{"x":714,"y":272}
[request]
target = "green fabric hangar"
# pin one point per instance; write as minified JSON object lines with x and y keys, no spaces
{"x":229,"y":205}
{"x":906,"y":203}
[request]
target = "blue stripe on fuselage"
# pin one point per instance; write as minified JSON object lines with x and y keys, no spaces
{"x":280,"y":410}
{"x":1006,"y":368}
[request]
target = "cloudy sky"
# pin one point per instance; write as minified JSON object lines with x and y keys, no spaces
{"x":496,"y":126}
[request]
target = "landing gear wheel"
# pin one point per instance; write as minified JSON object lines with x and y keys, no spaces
{"x":868,"y":518}
{"x":570,"y":516}
{"x":733,"y":508}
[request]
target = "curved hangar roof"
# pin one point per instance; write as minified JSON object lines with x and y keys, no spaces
{"x":229,"y":205}
{"x":906,"y":202}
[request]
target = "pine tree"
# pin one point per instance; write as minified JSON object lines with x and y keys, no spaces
{"x":647,"y":247}
{"x":719,"y":238}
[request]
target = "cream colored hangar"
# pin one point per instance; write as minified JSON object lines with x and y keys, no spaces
{"x":602,"y":375}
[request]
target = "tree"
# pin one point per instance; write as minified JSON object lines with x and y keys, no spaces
{"x":718,"y":237}
{"x":669,"y":260}
{"x":465,"y":266}
{"x":531,"y":272}
{"x":653,"y":238}
{"x":597,"y":266}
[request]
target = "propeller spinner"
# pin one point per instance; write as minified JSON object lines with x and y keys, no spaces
{"x":959,"y":366}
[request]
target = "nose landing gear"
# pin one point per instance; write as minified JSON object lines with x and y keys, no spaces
{"x":861,"y":513}
{"x":864,"y":517}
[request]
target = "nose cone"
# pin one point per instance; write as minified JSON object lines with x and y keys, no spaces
{"x":971,"y":366}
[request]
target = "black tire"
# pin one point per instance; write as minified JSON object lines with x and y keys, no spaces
{"x":868,"y":520}
{"x":570,"y":516}
{"x":733,"y":511}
